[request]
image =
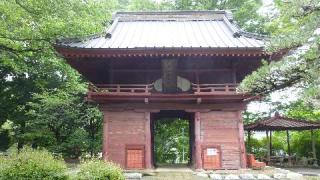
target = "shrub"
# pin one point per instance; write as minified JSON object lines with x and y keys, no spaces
{"x":32,"y":164}
{"x":98,"y":169}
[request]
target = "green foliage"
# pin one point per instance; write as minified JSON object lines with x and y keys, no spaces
{"x":256,"y":147}
{"x":279,"y":142}
{"x":245,"y":11}
{"x":5,"y":136}
{"x":4,"y":140}
{"x":32,"y":164}
{"x":31,"y":71}
{"x":297,"y":25}
{"x":273,"y":76}
{"x":98,"y":169}
{"x":249,"y":117}
{"x":301,"y":143}
{"x":142,"y":5}
{"x":171,"y":138}
{"x":301,"y":110}
{"x":63,"y":123}
{"x":76,"y":143}
{"x":247,"y":16}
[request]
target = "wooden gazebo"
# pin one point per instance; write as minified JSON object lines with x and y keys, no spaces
{"x":280,"y":123}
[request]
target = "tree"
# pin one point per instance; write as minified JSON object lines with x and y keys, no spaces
{"x":171,"y":139}
{"x":142,"y":5}
{"x":245,"y":11}
{"x":63,"y":123}
{"x":296,"y":30}
{"x":29,"y":65}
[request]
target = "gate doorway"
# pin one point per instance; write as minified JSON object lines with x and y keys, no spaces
{"x":172,"y":138}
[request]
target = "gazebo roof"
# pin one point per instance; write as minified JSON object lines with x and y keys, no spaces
{"x":279,"y":123}
{"x":169,"y":32}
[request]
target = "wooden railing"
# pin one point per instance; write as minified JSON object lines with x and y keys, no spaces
{"x":214,"y":88}
{"x":147,"y":88}
{"x":121,"y":88}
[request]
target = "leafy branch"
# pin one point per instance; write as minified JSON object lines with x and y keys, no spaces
{"x":29,"y":10}
{"x":25,"y":39}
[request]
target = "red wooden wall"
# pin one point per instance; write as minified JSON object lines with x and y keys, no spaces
{"x":220,"y":128}
{"x":125,"y":129}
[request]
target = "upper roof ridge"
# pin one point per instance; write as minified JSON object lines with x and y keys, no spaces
{"x":173,"y":15}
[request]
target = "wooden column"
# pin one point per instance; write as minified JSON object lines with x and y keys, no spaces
{"x":270,"y":143}
{"x":314,"y":152}
{"x":105,"y":136}
{"x":148,"y":141}
{"x":288,"y":142}
{"x":268,"y":146}
{"x":197,"y":133}
{"x":243,"y":156}
{"x":289,"y":149}
{"x":249,"y":143}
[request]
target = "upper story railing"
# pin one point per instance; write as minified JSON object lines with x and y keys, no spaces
{"x":147,"y":89}
{"x":122,"y":88}
{"x":214,"y":88}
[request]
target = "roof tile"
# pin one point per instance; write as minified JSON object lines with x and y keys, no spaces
{"x":177,"y":29}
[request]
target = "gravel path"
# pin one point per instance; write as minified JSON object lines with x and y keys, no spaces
{"x":173,"y":176}
{"x":306,"y":171}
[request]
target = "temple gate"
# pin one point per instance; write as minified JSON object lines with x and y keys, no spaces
{"x":150,"y":63}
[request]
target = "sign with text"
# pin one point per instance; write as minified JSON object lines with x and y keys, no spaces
{"x":211,"y":151}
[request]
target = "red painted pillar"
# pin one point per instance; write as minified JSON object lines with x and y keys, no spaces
{"x":105,"y":136}
{"x":243,"y":155}
{"x":197,"y":133}
{"x":148,"y":141}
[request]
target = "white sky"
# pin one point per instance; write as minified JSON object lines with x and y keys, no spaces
{"x":285,"y":96}
{"x":268,"y":8}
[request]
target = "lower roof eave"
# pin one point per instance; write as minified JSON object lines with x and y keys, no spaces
{"x":284,"y":129}
{"x":181,"y":98}
{"x":70,"y":52}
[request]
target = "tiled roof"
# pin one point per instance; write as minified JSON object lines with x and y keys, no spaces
{"x":279,"y":123}
{"x":174,"y":29}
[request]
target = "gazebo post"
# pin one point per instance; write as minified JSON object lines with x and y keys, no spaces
{"x":249,"y":141}
{"x":270,"y":143}
{"x":314,"y":152}
{"x":289,"y":150}
{"x":268,"y":147}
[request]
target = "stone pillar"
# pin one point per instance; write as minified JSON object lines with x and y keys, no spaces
{"x":105,"y":136}
{"x":148,"y":141}
{"x":197,"y":133}
{"x":243,"y":156}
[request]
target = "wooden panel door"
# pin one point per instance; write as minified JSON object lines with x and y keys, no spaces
{"x":135,"y":157}
{"x":211,"y":158}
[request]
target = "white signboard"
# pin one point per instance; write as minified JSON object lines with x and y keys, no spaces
{"x":211,"y":151}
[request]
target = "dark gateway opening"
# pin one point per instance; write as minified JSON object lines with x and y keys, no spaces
{"x":172,"y":138}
